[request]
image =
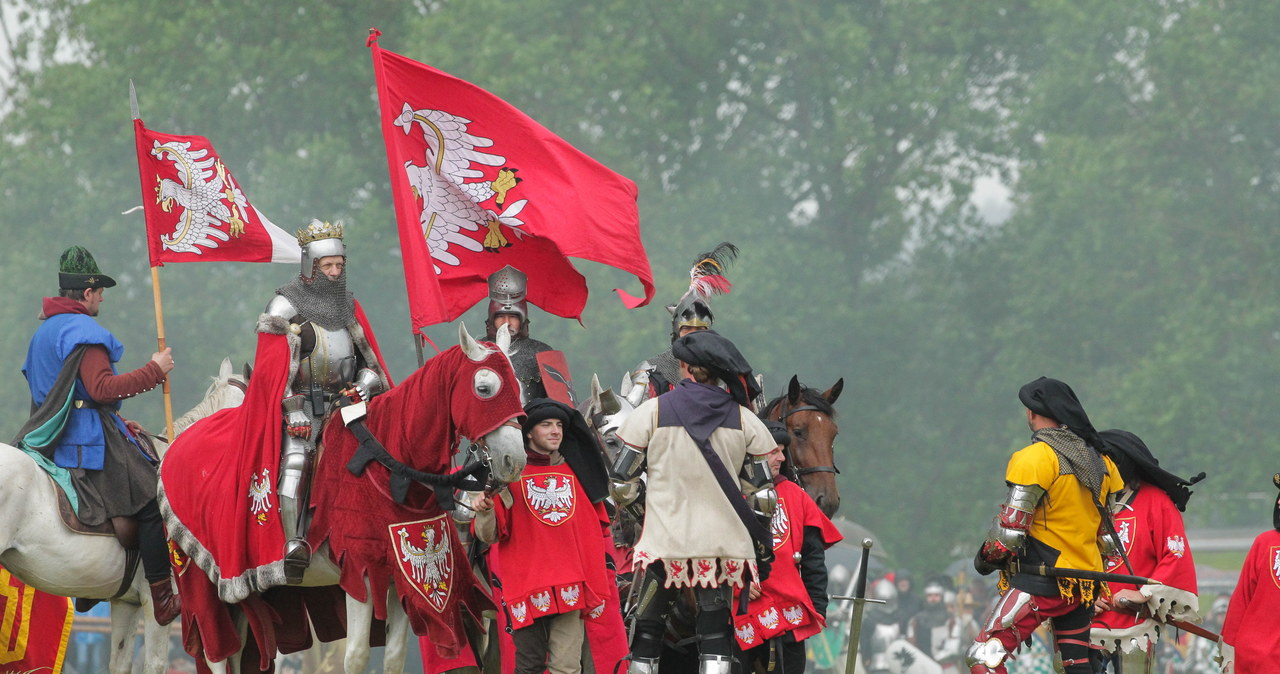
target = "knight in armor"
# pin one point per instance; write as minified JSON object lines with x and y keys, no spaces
{"x":942,"y":629}
{"x":692,"y":313}
{"x":554,"y":512}
{"x":1148,"y":515}
{"x":508,"y":307}
{"x":71,"y":371}
{"x":710,"y":498}
{"x":1251,"y":630}
{"x":331,"y":353}
{"x":791,"y":605}
{"x":1059,"y":491}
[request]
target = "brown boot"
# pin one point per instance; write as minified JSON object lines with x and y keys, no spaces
{"x":164,"y":603}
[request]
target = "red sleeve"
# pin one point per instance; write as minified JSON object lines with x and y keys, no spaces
{"x":106,"y":387}
{"x":1243,"y":593}
{"x":1174,"y":565}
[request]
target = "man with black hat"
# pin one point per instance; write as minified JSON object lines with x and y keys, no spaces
{"x":553,"y":513}
{"x":1148,"y":517}
{"x":71,"y":371}
{"x":1251,"y":631}
{"x":791,"y":605}
{"x":707,"y":472}
{"x":1054,"y":515}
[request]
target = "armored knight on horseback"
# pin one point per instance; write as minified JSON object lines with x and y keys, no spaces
{"x":96,"y":455}
{"x":330,"y":354}
{"x":692,"y":313}
{"x":508,"y":307}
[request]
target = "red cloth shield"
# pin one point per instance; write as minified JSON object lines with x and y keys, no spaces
{"x":35,"y":629}
{"x":479,"y":185}
{"x":556,"y":377}
{"x":195,"y":209}
{"x":425,"y":559}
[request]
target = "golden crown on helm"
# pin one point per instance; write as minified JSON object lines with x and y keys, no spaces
{"x":317,"y":230}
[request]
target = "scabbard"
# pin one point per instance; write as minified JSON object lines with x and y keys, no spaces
{"x":1078,"y":574}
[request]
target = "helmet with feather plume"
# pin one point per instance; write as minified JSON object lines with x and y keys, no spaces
{"x":706,"y":278}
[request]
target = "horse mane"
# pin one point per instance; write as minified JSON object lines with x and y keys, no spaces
{"x":210,"y":403}
{"x":808,"y":396}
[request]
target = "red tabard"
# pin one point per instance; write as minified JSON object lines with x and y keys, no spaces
{"x":551,"y":545}
{"x":785,"y":605}
{"x":1252,"y":625}
{"x":1155,"y":540}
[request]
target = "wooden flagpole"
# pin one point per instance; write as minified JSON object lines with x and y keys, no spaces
{"x":168,"y":399}
{"x":155,"y":293}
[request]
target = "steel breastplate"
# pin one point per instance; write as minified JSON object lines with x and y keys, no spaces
{"x":331,"y":363}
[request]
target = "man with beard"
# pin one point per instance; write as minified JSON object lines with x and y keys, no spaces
{"x":71,"y":371}
{"x":331,"y":352}
{"x":1054,"y":515}
{"x":1149,"y":522}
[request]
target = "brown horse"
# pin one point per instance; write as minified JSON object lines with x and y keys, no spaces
{"x":810,"y":417}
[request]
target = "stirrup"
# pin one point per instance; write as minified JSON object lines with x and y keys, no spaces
{"x":297,"y":557}
{"x":715,"y":664}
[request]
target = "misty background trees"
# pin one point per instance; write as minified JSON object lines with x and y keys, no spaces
{"x":936,"y":201}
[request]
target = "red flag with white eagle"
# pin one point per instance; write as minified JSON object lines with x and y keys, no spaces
{"x":479,"y":185}
{"x":195,"y":209}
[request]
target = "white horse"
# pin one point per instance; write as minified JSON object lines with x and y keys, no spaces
{"x":506,"y":459}
{"x":37,"y":548}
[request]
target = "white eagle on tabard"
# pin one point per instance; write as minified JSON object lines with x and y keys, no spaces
{"x":794,"y":614}
{"x":451,"y":208}
{"x":553,"y":500}
{"x":430,"y":563}
{"x":259,"y":496}
{"x":209,"y":198}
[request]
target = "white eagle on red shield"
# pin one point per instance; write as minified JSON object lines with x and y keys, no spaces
{"x":781,"y":524}
{"x":550,"y":496}
{"x":1275,"y":564}
{"x":428,"y":567}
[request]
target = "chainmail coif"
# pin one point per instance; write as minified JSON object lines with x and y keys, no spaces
{"x":323,"y":301}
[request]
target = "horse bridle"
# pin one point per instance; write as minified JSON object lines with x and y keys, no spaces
{"x":801,"y":472}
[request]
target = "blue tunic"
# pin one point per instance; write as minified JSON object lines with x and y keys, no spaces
{"x":82,"y":444}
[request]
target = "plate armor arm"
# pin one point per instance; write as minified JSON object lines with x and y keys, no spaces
{"x":368,"y":384}
{"x":625,"y":486}
{"x":297,"y":421}
{"x":757,"y":487}
{"x":1110,"y":547}
{"x":1008,"y":530}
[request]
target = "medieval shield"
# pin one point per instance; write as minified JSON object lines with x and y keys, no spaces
{"x":550,"y":496}
{"x":424,"y":555}
{"x":556,"y":378}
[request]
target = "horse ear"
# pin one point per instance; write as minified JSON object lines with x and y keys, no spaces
{"x":224,"y":371}
{"x":609,"y":402}
{"x":834,"y":392}
{"x":793,"y":389}
{"x":504,"y":338}
{"x":248,"y":372}
{"x":469,"y":345}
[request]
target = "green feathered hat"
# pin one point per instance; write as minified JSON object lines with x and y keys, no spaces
{"x":78,"y":270}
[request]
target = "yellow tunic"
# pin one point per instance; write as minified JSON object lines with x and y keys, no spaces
{"x":1066,"y":519}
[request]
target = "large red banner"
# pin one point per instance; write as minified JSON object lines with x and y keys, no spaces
{"x":479,"y":185}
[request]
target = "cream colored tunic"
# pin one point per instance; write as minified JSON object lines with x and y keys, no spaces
{"x":689,"y":525}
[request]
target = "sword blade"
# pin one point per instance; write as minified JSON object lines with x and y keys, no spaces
{"x":859,"y":601}
{"x":1079,"y":574}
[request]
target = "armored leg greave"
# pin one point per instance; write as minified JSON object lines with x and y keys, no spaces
{"x":295,"y":483}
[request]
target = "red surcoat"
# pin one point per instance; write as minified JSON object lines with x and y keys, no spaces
{"x":1252,"y":625}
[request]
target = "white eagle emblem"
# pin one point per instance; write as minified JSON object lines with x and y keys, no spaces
{"x":1125,"y":532}
{"x":430,"y":563}
{"x":780,"y":525}
{"x":571,"y":595}
{"x":519,"y":611}
{"x":793,"y":615}
{"x":259,"y":496}
{"x":596,"y":612}
{"x":1275,"y":563}
{"x":1177,"y":546}
{"x":553,"y":499}
{"x":451,"y":207}
{"x":541,"y":601}
{"x":207,"y":194}
{"x":746,"y":633}
{"x":769,"y":618}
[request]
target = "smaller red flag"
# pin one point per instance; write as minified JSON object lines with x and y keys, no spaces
{"x":196,"y":210}
{"x":35,"y":629}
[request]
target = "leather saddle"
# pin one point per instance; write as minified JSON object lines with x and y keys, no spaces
{"x":125,"y":531}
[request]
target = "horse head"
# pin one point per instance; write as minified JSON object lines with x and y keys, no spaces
{"x":809,"y":415}
{"x":487,"y":401}
{"x":605,"y":411}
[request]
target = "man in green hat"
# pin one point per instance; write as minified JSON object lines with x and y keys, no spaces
{"x":71,"y":371}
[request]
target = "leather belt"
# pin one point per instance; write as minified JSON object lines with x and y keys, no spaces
{"x":86,"y":405}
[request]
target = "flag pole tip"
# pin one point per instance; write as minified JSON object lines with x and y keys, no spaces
{"x":374,"y":34}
